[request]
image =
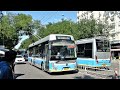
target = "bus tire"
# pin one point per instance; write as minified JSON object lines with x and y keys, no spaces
{"x":76,"y":71}
{"x":108,"y":68}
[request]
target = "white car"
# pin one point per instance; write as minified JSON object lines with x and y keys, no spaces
{"x":2,"y":52}
{"x":19,"y":59}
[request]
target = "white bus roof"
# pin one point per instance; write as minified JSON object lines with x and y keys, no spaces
{"x":49,"y":38}
{"x":88,"y":40}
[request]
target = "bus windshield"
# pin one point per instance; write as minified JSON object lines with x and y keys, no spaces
{"x":102,"y":45}
{"x":63,"y":50}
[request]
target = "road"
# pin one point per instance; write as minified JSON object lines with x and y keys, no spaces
{"x":26,"y":71}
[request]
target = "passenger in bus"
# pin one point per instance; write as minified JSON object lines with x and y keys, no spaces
{"x":58,"y":55}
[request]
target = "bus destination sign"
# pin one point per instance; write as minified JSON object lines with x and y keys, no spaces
{"x":63,"y":37}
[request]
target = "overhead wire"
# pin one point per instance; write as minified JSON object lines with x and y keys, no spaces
{"x":51,"y":16}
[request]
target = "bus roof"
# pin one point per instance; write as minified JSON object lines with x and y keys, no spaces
{"x":88,"y":40}
{"x":49,"y":38}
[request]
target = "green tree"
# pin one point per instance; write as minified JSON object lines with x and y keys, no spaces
{"x":11,"y":25}
{"x":86,"y":28}
{"x":8,"y":33}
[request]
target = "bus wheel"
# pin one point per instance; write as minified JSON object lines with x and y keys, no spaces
{"x":76,"y":71}
{"x":108,"y":68}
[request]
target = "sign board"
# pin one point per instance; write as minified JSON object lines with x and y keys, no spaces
{"x":63,"y":37}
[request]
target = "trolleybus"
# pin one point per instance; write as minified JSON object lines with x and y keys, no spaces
{"x":93,"y":52}
{"x":54,"y":53}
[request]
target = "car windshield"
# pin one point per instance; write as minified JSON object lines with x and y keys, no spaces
{"x":19,"y":56}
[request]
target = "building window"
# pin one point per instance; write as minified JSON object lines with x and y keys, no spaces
{"x":112,"y":19}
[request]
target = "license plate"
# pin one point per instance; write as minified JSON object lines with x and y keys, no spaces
{"x":103,"y":64}
{"x":66,"y":68}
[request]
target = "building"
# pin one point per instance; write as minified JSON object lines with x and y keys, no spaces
{"x":113,"y":19}
{"x":89,"y":14}
{"x":115,"y":49}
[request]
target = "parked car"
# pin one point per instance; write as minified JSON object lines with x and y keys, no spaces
{"x":19,"y":59}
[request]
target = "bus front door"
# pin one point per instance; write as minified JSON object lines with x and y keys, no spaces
{"x":47,"y":57}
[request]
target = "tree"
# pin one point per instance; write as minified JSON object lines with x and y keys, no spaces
{"x":87,"y":27}
{"x":8,"y":34}
{"x":11,"y":25}
{"x":27,"y":42}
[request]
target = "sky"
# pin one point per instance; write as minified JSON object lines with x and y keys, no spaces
{"x":49,"y":16}
{"x":45,"y":17}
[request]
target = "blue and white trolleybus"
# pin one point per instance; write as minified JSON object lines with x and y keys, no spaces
{"x":54,"y":53}
{"x":93,"y":52}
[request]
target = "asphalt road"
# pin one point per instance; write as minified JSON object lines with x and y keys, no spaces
{"x":27,"y":71}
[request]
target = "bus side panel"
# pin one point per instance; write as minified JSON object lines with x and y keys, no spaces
{"x":85,"y":62}
{"x":54,"y":67}
{"x":38,"y":61}
{"x":102,"y":63}
{"x":103,"y":55}
{"x":103,"y":59}
{"x":92,"y":62}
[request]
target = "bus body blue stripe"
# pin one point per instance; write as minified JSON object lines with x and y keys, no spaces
{"x":92,"y":62}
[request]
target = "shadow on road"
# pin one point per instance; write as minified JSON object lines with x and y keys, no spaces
{"x":98,"y":69}
{"x":84,"y":77}
{"x":17,"y":75}
{"x":63,"y":73}
{"x":113,"y":77}
{"x":20,"y":63}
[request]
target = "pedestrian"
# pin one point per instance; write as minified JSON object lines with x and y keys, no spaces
{"x":7,"y":65}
